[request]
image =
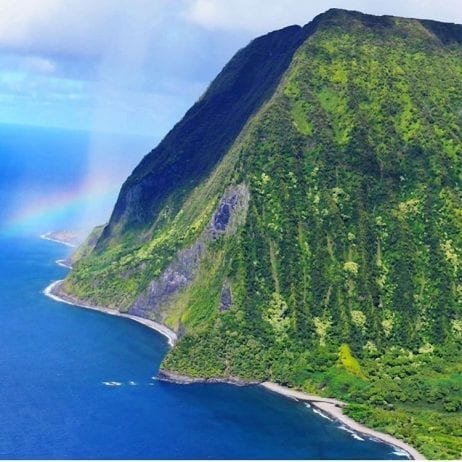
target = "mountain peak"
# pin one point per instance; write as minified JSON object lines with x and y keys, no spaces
{"x":302,"y":222}
{"x":446,"y":32}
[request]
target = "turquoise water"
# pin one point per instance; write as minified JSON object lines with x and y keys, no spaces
{"x":56,"y":363}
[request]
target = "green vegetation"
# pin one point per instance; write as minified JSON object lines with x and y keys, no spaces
{"x":346,"y":275}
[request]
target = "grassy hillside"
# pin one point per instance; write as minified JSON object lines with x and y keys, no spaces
{"x":344,"y":276}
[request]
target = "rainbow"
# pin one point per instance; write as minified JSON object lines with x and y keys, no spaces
{"x":90,"y":200}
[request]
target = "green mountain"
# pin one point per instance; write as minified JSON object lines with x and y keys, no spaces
{"x":303,"y":224}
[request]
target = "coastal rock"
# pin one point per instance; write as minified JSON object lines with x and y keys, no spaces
{"x":169,"y":376}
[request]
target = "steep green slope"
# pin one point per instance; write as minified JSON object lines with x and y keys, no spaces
{"x":198,"y":142}
{"x":323,"y":251}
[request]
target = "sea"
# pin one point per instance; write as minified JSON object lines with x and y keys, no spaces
{"x":79,"y":384}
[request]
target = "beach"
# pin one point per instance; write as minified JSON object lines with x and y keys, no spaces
{"x":333,"y":408}
{"x":53,"y":291}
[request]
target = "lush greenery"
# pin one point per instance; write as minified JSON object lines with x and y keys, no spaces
{"x":346,"y":277}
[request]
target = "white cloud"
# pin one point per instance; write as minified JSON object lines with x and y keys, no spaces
{"x":156,"y":54}
{"x":259,"y":16}
{"x":75,"y":27}
{"x":97,"y":27}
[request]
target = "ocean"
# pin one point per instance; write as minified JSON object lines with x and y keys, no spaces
{"x":81,"y":384}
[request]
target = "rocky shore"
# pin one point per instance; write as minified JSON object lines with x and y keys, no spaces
{"x":170,"y":376}
{"x":329,"y":406}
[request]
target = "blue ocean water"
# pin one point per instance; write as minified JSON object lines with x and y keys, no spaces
{"x":56,"y":360}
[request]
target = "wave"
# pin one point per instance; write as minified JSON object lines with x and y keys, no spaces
{"x":400,"y":452}
{"x":317,"y":411}
{"x":112,"y":384}
{"x":351,"y":432}
{"x":63,"y":264}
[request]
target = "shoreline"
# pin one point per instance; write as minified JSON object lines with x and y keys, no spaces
{"x":173,"y":377}
{"x":333,"y":408}
{"x":52,"y":291}
{"x":327,"y":407}
{"x":47,"y":237}
{"x":63,"y":263}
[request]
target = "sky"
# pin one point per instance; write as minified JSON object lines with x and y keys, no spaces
{"x":135,"y":66}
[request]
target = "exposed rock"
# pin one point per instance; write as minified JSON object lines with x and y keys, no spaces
{"x":226,"y":297}
{"x":230,"y":213}
{"x":181,"y":330}
{"x":169,"y":376}
{"x":177,"y":275}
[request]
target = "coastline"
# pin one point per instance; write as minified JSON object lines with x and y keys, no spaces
{"x":53,"y":292}
{"x":169,"y":376}
{"x":48,"y":237}
{"x":330,"y":407}
{"x":333,"y":408}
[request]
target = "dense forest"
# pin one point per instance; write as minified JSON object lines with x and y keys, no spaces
{"x":319,"y":244}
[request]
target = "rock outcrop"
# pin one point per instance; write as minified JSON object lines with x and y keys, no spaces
{"x":230,"y":213}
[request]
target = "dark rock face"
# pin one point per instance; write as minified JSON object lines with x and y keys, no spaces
{"x":229,"y":214}
{"x":177,"y":275}
{"x":221,"y":217}
{"x":234,"y":200}
{"x":226,"y":297}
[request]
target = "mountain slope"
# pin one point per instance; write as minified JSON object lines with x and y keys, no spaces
{"x":198,"y":142}
{"x":316,"y":243}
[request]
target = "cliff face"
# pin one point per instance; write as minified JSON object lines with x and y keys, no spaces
{"x":303,"y":223}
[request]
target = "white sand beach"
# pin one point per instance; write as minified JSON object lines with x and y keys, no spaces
{"x":53,"y":292}
{"x":333,"y":408}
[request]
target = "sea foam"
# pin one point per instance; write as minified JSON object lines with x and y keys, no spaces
{"x":351,"y":432}
{"x":317,"y":411}
{"x":112,"y":384}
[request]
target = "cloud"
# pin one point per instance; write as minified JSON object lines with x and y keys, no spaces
{"x":75,"y":27}
{"x":259,"y":16}
{"x":122,"y":51}
{"x":96,"y":28}
{"x":144,"y":54}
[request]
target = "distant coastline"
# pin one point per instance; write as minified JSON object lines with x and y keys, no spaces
{"x":68,"y":238}
{"x":328,"y":406}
